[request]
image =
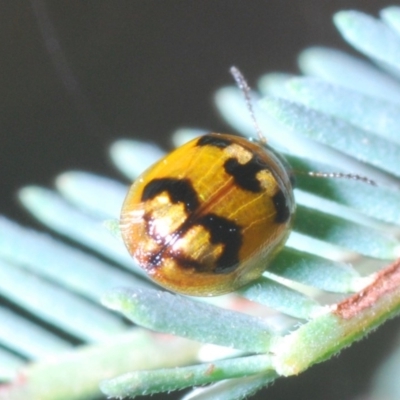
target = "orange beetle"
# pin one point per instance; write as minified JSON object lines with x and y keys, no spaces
{"x":208,"y":218}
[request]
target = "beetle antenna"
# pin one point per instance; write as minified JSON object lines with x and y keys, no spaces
{"x":342,"y":175}
{"x":245,"y":88}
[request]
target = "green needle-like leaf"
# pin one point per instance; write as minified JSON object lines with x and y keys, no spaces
{"x":194,"y":320}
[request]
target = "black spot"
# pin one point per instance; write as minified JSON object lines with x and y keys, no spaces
{"x":281,"y":207}
{"x":245,"y":175}
{"x":155,"y":260}
{"x":179,"y":191}
{"x":214,"y":140}
{"x":188,"y":263}
{"x":229,"y":234}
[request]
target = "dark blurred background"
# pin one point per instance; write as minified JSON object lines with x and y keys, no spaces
{"x":76,"y":75}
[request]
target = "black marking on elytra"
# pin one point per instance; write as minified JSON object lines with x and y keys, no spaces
{"x":185,"y":262}
{"x":281,"y":207}
{"x":182,"y":260}
{"x":214,"y":140}
{"x":245,"y":175}
{"x":222,"y":231}
{"x":230,"y":235}
{"x":179,"y":191}
{"x":155,"y":259}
